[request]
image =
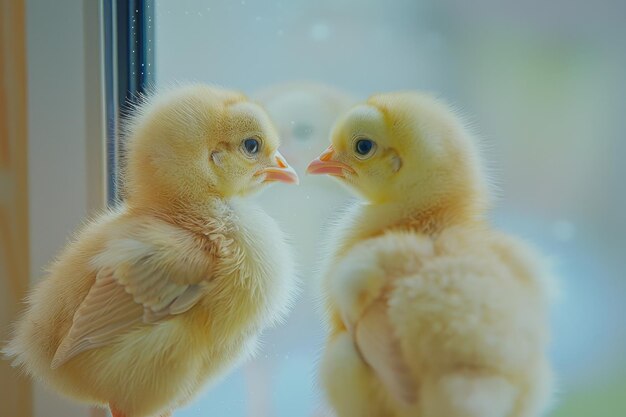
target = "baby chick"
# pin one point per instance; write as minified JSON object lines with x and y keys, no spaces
{"x":432,"y":312}
{"x":170,"y":290}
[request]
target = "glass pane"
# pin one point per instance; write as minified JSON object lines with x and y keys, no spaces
{"x":544,"y":84}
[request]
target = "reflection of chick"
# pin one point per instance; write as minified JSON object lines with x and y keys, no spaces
{"x":170,"y":290}
{"x":432,"y":312}
{"x":304,"y":114}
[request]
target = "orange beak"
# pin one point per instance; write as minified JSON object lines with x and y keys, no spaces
{"x":281,"y":172}
{"x":325,"y":164}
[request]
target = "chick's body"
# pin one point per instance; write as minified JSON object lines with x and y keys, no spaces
{"x":432,"y":312}
{"x":168,"y":291}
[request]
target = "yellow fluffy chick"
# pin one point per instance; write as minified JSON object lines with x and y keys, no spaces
{"x":170,"y":290}
{"x":432,"y":312}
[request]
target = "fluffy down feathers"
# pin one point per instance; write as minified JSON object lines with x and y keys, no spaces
{"x":170,"y":290}
{"x":432,"y":313}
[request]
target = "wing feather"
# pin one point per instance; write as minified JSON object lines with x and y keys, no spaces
{"x":143,"y":288}
{"x":381,"y":350}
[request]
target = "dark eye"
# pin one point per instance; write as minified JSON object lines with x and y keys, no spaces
{"x":251,"y":145}
{"x":364,"y":146}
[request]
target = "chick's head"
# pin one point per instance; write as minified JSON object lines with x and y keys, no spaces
{"x":198,"y":141}
{"x":404,"y":147}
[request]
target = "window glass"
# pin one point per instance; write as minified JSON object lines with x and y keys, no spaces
{"x":542,"y":81}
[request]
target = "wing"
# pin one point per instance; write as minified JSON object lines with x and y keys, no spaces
{"x":381,"y":350}
{"x":135,"y":283}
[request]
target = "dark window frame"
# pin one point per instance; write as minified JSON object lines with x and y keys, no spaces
{"x":129,"y":73}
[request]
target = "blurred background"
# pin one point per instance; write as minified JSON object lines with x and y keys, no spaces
{"x":543,"y":84}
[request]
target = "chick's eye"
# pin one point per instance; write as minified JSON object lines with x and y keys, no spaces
{"x":251,"y":145}
{"x":364,"y":146}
